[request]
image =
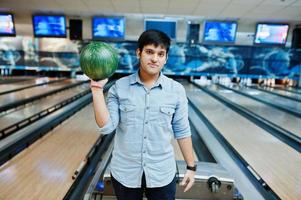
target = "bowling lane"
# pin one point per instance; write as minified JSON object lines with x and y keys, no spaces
{"x":283,"y":119}
{"x":37,"y":106}
{"x":288,"y":89}
{"x":279,"y":92}
{"x":298,"y":90}
{"x":27,"y":93}
{"x":45,"y":169}
{"x":17,"y":85}
{"x":275,"y":162}
{"x":14,"y":79}
{"x":292,"y":105}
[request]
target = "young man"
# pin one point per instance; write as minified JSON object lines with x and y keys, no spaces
{"x":147,"y":109}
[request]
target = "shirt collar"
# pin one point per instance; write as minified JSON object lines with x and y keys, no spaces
{"x":136,"y":79}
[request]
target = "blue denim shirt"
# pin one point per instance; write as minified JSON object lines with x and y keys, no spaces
{"x":146,"y":120}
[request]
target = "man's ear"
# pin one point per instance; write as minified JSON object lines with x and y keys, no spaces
{"x":138,"y":53}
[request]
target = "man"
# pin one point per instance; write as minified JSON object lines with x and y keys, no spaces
{"x":147,"y":109}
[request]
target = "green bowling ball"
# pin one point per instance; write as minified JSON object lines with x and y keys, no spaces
{"x":98,"y":60}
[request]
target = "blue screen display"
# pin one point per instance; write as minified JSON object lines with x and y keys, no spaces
{"x":49,"y":26}
{"x":7,"y":26}
{"x":168,"y":27}
{"x":108,"y":27}
{"x":271,"y":33}
{"x":220,"y":31}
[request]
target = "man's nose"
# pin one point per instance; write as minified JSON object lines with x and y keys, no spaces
{"x":155,"y":58}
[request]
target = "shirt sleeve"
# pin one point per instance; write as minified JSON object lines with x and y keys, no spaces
{"x":113,"y":108}
{"x":180,"y":123}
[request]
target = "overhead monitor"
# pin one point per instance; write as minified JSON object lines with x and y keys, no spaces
{"x":217,"y":32}
{"x":169,"y":27}
{"x":7,"y":26}
{"x":49,"y":25}
{"x":111,"y":28}
{"x":271,"y":34}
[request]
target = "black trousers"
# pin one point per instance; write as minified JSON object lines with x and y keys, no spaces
{"x":122,"y":192}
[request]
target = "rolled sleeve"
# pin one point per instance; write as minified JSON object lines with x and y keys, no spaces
{"x":106,"y":129}
{"x":180,"y":123}
{"x":112,"y":105}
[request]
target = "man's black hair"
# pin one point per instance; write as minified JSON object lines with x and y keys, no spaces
{"x":155,"y":37}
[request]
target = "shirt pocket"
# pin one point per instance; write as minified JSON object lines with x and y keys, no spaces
{"x":127,"y":114}
{"x":165,"y":115}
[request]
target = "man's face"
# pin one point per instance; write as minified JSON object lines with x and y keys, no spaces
{"x":152,"y":59}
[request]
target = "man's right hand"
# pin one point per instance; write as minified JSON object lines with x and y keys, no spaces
{"x":98,"y":84}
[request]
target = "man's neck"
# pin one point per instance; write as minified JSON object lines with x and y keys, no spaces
{"x":148,"y":80}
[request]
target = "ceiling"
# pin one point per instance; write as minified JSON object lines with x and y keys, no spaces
{"x":275,"y":10}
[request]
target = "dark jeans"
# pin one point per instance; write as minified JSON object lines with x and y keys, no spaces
{"x":167,"y":192}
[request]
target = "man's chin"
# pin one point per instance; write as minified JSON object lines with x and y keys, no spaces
{"x":153,"y":72}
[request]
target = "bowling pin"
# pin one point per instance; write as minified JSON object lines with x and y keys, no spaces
{"x":273,"y":82}
{"x":249,"y":82}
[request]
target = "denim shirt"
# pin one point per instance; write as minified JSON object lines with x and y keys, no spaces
{"x":146,"y":120}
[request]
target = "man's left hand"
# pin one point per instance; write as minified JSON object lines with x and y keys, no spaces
{"x":188,"y":180}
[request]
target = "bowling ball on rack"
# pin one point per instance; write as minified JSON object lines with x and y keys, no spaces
{"x":98,"y":60}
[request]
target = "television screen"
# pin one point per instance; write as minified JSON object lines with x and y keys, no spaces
{"x":166,"y":26}
{"x":108,"y":27}
{"x":49,"y":25}
{"x":7,"y":26}
{"x":274,"y":34}
{"x":219,"y":31}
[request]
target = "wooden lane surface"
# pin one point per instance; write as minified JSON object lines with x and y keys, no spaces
{"x":290,"y":104}
{"x":288,"y":89}
{"x":275,"y":162}
{"x":27,"y":93}
{"x":31,"y":109}
{"x":13,"y":86}
{"x":14,"y":79}
{"x":281,"y":92}
{"x":283,"y":119}
{"x":44,"y":170}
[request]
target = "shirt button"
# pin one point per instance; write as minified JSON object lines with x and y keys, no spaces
{"x":147,"y":107}
{"x":144,"y":137}
{"x":144,"y":151}
{"x":144,"y":164}
{"x":146,"y":122}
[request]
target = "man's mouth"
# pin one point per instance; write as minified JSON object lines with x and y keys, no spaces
{"x":152,"y":65}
